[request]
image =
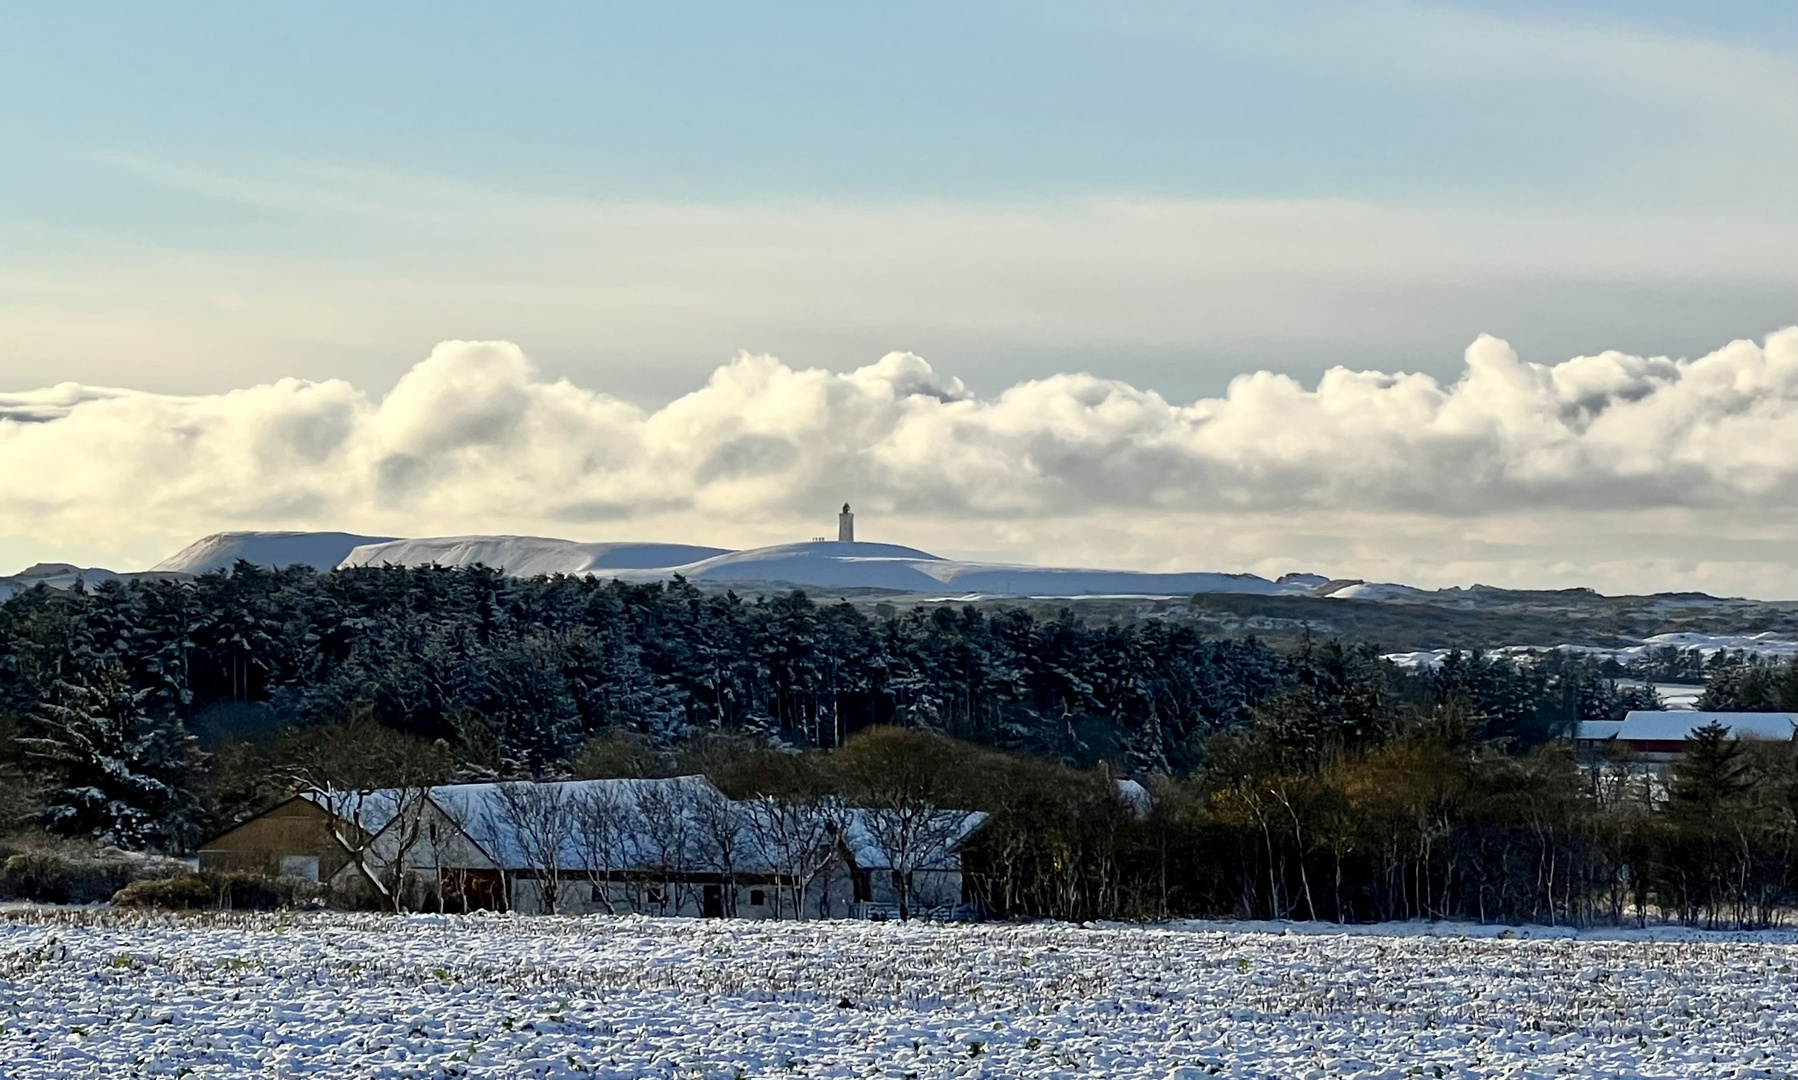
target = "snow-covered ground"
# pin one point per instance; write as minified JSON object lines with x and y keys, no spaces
{"x":220,"y":551}
{"x":115,"y":994}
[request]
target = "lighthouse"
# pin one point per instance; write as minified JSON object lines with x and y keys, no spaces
{"x":846,"y":526}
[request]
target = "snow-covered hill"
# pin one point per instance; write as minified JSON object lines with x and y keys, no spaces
{"x":837,"y":565}
{"x":825,"y":566}
{"x":814,"y":565}
{"x":64,"y":576}
{"x":220,"y":551}
{"x":528,"y":556}
{"x":1370,"y":590}
{"x":1767,"y":644}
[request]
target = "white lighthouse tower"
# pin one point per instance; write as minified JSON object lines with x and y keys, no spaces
{"x":846,"y":526}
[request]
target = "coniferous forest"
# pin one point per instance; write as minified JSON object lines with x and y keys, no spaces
{"x":1317,"y":781}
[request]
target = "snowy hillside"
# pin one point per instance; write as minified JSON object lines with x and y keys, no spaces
{"x":220,"y":551}
{"x":1372,"y":590}
{"x":527,"y":556}
{"x":1767,"y":645}
{"x":837,"y":565}
{"x":62,"y":576}
{"x":813,"y":565}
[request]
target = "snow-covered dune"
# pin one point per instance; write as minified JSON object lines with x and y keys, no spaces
{"x":837,"y":565}
{"x":1374,"y":590}
{"x":64,"y":576}
{"x":527,"y":556}
{"x":999,"y":580}
{"x":813,"y":565}
{"x":220,"y":551}
{"x":819,"y":564}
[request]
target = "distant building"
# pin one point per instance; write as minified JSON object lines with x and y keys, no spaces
{"x":662,"y":847}
{"x":296,"y":838}
{"x":846,"y":526}
{"x":1659,"y":736}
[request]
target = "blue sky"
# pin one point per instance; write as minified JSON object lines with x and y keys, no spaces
{"x":154,"y":154}
{"x":197,"y":198}
{"x":833,"y":100}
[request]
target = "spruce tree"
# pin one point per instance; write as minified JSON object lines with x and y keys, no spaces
{"x":123,"y":773}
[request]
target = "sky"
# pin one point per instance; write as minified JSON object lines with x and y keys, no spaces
{"x":1171,"y":271}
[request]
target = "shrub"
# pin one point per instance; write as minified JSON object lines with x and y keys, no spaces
{"x":182,"y":893}
{"x":75,"y":875}
{"x":237,"y":891}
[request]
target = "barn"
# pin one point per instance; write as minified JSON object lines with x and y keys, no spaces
{"x":1659,"y":736}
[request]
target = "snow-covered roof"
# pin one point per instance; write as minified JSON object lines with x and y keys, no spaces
{"x":636,"y":841}
{"x":371,"y":811}
{"x":481,"y":811}
{"x":951,"y":827}
{"x":1137,"y":796}
{"x":1599,"y":729}
{"x":1642,"y":725}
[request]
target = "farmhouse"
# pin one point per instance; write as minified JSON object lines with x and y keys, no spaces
{"x":674,"y":846}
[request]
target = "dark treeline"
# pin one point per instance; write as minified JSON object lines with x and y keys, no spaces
{"x":1320,"y":783}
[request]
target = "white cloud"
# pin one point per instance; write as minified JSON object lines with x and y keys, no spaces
{"x":1529,"y":471}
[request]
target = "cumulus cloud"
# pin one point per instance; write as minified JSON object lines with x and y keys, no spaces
{"x":474,"y":439}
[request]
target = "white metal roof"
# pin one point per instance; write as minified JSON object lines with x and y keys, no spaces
{"x":1599,"y":729}
{"x":955,"y":826}
{"x":480,"y":809}
{"x":1642,"y":725}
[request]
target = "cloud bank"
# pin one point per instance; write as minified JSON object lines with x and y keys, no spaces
{"x":1623,"y":457}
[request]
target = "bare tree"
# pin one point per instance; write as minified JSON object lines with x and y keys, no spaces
{"x":374,"y":784}
{"x":542,"y":822}
{"x":795,"y":835}
{"x":718,"y":826}
{"x":912,"y":836}
{"x":665,"y":810}
{"x":902,"y":779}
{"x":603,"y":837}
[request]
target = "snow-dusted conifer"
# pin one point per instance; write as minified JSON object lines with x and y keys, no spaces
{"x":123,"y":771}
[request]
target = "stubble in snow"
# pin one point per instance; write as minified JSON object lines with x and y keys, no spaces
{"x":119,"y":995}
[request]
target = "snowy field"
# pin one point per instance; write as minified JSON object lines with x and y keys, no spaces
{"x":97,"y":993}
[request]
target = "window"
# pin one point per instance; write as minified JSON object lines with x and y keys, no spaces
{"x":863,"y":884}
{"x":657,"y":894}
{"x":599,"y":894}
{"x":758,"y":898}
{"x":304,"y":867}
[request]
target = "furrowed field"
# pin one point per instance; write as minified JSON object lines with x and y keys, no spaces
{"x":97,"y":993}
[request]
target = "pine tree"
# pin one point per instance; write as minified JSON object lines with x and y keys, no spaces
{"x":1712,"y":775}
{"x":123,"y":771}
